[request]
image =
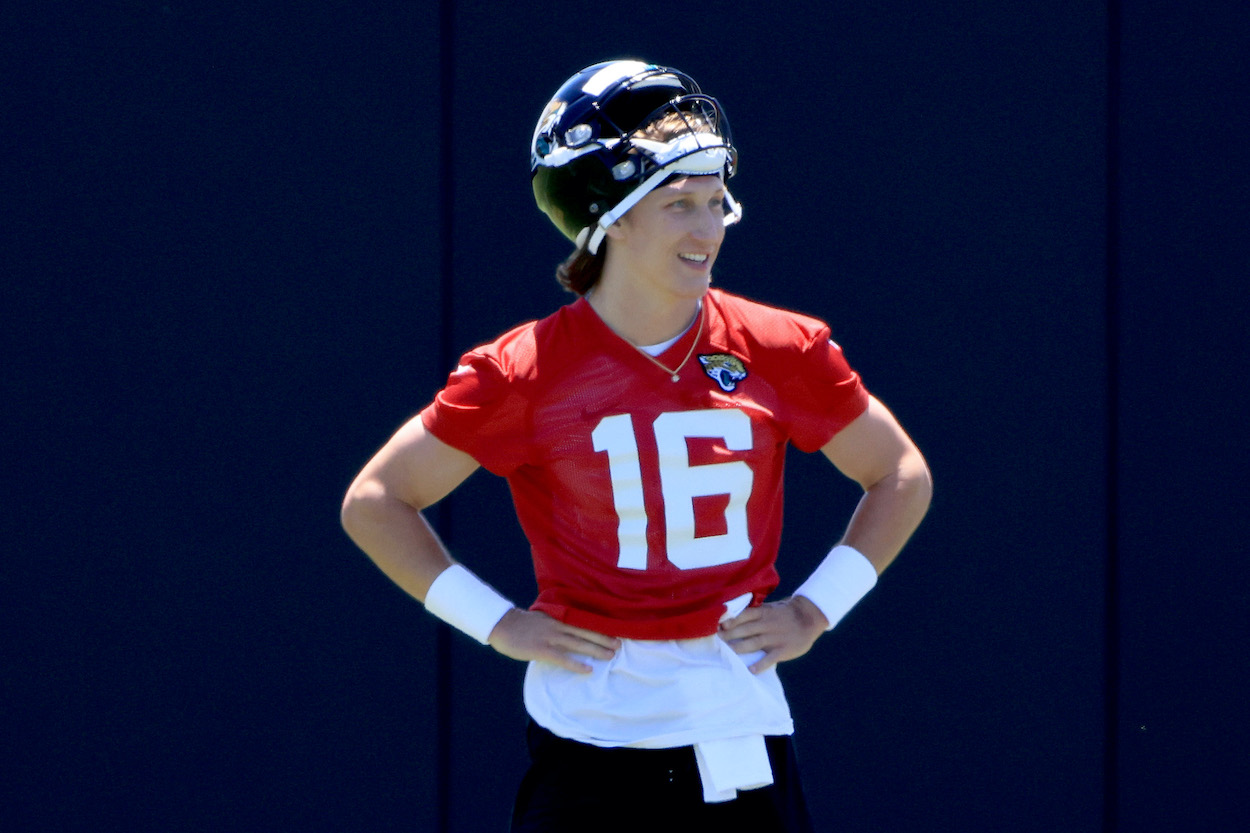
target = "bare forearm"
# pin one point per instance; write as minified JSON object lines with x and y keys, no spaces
{"x":397,"y":537}
{"x":889,"y":512}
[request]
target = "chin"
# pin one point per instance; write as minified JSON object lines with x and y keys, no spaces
{"x":696,"y":283}
{"x":693,"y":291}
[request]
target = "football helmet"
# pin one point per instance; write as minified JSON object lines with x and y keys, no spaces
{"x":587,"y":166}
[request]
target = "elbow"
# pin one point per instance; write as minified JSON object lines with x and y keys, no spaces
{"x":355,"y":511}
{"x":921,"y":479}
{"x":370,"y":509}
{"x":349,"y":513}
{"x":911,"y":481}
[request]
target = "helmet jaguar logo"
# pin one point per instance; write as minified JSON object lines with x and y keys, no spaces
{"x":727,"y":370}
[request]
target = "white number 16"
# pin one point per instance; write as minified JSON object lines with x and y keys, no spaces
{"x":680,"y":484}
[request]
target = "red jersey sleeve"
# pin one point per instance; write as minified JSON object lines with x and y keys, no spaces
{"x":482,"y":413}
{"x":825,"y":395}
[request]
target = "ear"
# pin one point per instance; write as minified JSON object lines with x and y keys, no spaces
{"x":617,"y":230}
{"x":620,"y":228}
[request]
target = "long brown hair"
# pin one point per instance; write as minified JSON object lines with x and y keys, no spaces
{"x":581,"y":270}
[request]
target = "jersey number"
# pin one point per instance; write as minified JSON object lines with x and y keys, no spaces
{"x":680,"y":484}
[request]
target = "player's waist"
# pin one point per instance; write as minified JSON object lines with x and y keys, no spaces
{"x":650,"y":619}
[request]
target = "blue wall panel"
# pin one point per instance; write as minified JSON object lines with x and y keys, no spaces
{"x":220,"y":236}
{"x":246,"y":245}
{"x":1184,"y":357}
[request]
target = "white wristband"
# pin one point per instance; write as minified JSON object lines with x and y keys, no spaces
{"x":839,"y":582}
{"x":465,"y":602}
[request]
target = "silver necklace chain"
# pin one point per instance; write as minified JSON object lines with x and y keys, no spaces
{"x":676,"y":370}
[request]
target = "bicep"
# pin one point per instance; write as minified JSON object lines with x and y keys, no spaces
{"x":416,"y":467}
{"x":872,"y":447}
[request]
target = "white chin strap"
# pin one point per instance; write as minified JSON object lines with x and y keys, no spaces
{"x":686,"y":155}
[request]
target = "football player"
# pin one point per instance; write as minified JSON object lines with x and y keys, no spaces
{"x":642,"y":429}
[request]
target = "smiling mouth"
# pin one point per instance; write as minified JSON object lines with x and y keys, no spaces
{"x":696,"y":259}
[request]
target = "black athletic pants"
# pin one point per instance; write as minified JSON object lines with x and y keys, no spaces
{"x":577,"y":788}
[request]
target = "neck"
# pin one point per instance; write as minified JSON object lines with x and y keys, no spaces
{"x":640,"y":319}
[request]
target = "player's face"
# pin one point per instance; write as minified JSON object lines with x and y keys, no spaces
{"x":670,"y":239}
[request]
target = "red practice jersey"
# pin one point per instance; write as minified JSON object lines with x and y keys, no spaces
{"x":648,"y":503}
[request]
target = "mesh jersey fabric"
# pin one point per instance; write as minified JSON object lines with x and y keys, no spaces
{"x":648,"y":503}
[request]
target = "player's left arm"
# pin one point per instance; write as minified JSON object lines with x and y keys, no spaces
{"x":874,"y":451}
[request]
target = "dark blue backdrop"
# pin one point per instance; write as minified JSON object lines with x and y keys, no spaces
{"x":246,"y":243}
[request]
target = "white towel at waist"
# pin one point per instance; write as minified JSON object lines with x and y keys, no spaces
{"x":657,"y":694}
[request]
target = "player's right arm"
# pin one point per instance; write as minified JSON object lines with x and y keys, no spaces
{"x":382,"y":514}
{"x":382,"y":509}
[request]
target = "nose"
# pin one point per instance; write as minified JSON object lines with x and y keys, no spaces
{"x":710,"y":225}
